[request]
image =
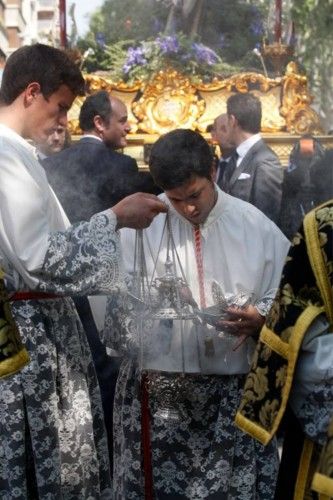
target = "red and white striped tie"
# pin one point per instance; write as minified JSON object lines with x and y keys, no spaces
{"x":200,"y":269}
{"x":209,"y":345}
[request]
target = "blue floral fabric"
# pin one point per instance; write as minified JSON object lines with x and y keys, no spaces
{"x":201,"y":456}
{"x":52,"y":437}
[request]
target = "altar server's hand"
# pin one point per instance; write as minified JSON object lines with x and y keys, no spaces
{"x":242,"y":323}
{"x":138,"y":210}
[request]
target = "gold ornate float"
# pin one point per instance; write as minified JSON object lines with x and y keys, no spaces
{"x":170,"y":100}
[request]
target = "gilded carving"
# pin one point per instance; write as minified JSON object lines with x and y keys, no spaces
{"x":296,"y":101}
{"x":73,"y":116}
{"x":241,"y":83}
{"x":215,"y":101}
{"x":272,"y":121}
{"x":169,"y":100}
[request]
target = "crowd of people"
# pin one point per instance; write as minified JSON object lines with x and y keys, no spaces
{"x":80,"y":420}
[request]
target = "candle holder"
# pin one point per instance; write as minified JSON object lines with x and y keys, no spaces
{"x":277,"y":55}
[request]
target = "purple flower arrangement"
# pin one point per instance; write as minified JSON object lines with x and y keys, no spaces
{"x":135,"y":57}
{"x":168,"y":44}
{"x":177,"y":51}
{"x":204,"y":54}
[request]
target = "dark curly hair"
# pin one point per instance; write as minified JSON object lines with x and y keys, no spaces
{"x":177,"y":156}
{"x":48,"y":66}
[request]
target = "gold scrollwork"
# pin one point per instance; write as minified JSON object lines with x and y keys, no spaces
{"x":241,"y":83}
{"x":296,"y":100}
{"x":217,"y":92}
{"x":168,"y":101}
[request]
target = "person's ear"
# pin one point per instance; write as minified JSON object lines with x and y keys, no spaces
{"x":32,"y":91}
{"x":99,"y":124}
{"x":232,"y":121}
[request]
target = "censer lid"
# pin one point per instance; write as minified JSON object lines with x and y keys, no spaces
{"x":170,"y":300}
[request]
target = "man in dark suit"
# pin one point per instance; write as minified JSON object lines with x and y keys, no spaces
{"x":219,"y":133}
{"x":89,"y":177}
{"x":254,"y":172}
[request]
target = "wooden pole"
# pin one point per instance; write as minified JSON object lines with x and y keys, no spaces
{"x":62,"y":17}
{"x":278,"y":21}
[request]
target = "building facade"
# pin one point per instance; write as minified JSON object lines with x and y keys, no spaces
{"x":23,"y":22}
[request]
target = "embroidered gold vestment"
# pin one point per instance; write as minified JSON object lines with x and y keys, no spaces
{"x":305,"y":292}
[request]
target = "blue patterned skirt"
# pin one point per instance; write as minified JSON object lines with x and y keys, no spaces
{"x":202,"y":455}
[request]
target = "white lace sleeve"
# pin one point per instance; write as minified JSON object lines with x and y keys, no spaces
{"x":84,"y":259}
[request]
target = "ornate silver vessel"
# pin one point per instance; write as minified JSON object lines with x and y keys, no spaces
{"x":163,"y":301}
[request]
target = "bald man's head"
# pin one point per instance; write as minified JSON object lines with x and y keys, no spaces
{"x":220,"y":134}
{"x":105,"y":116}
{"x":119,"y":125}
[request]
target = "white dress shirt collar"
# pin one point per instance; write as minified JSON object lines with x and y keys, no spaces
{"x":246,"y":145}
{"x":91,"y":136}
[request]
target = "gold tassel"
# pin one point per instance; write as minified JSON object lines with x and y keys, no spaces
{"x":13,"y":355}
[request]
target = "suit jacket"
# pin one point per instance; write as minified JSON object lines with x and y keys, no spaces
{"x":88,"y":177}
{"x":258,"y":180}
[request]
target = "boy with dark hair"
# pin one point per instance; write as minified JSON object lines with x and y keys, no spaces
{"x":178,"y":157}
{"x":53,"y":442}
{"x":43,"y":64}
{"x":220,"y":241}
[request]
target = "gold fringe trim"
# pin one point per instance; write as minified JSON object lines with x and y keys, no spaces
{"x":303,"y":470}
{"x":290,"y":350}
{"x":323,"y":484}
{"x":252,"y":428}
{"x":270,"y":339}
{"x":14,"y":364}
{"x":317,"y":261}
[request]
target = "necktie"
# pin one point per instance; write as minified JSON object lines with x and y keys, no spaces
{"x":228,"y":171}
{"x":209,"y":344}
{"x":200,"y":269}
{"x":222,"y":166}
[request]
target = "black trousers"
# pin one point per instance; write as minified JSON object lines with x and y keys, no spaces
{"x":107,"y":367}
{"x":291,"y":458}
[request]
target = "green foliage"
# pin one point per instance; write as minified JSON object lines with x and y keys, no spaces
{"x":314,"y":28}
{"x":126,"y":60}
{"x":128,"y":19}
{"x":231,"y":28}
